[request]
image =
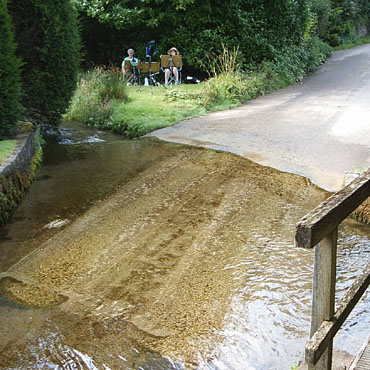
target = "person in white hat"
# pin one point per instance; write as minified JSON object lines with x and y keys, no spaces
{"x":172,"y":52}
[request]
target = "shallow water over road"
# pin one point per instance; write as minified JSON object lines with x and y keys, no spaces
{"x":143,"y":254}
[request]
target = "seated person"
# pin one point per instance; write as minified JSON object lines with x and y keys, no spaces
{"x":172,"y":52}
{"x":130,"y":67}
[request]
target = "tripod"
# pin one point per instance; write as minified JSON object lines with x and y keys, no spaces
{"x":151,"y":69}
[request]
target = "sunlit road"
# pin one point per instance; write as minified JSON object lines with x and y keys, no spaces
{"x":319,"y":128}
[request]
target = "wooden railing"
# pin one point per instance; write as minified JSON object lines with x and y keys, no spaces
{"x":319,"y":229}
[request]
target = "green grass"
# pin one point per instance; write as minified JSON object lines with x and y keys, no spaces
{"x":6,"y":147}
{"x":150,"y":108}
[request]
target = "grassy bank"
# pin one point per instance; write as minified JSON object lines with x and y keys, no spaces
{"x":6,"y":148}
{"x":136,"y":110}
{"x":103,"y":100}
{"x":149,"y":108}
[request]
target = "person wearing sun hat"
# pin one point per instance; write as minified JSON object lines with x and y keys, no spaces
{"x":169,"y":52}
{"x":172,"y":52}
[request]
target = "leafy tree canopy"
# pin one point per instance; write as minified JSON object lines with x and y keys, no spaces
{"x":123,"y":13}
{"x":260,"y":28}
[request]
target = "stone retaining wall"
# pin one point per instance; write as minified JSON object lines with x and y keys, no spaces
{"x":21,"y":157}
{"x":18,"y":171}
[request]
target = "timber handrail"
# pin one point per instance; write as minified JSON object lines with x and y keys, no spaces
{"x":319,"y":230}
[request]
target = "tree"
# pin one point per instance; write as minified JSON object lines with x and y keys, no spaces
{"x":259,"y":27}
{"x":48,"y":43}
{"x":322,"y":10}
{"x":10,"y":89}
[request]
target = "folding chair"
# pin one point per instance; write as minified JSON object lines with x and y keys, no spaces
{"x":132,"y":73}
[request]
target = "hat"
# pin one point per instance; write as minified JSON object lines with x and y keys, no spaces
{"x":173,"y":48}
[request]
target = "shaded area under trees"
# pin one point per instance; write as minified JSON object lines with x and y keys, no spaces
{"x":261,"y":29}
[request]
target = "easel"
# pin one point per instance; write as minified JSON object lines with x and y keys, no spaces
{"x":129,"y":66}
{"x":151,"y":69}
{"x":170,"y":61}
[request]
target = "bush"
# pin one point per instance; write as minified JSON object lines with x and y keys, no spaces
{"x":317,"y":53}
{"x":222,"y":88}
{"x":226,"y":82}
{"x":113,"y":86}
{"x":343,"y":20}
{"x":230,"y":85}
{"x":48,"y":42}
{"x":92,"y":101}
{"x":10,"y":90}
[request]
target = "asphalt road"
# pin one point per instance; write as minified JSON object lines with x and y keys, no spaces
{"x":318,"y":128}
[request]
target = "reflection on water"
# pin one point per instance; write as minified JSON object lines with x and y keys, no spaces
{"x":268,"y":323}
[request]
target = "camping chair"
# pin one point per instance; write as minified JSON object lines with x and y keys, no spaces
{"x":169,"y":62}
{"x":132,"y":73}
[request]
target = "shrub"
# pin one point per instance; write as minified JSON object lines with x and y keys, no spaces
{"x":113,"y":86}
{"x":92,"y":101}
{"x":223,"y":87}
{"x":317,"y":52}
{"x":226,"y":82}
{"x":195,"y":27}
{"x":229,"y":83}
{"x":10,"y":91}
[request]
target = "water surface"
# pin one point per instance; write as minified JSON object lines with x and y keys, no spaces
{"x":182,"y":258}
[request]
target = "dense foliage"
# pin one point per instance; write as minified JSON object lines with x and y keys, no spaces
{"x":48,"y":43}
{"x":339,"y":21}
{"x":259,"y":28}
{"x":262,"y":29}
{"x":10,"y":89}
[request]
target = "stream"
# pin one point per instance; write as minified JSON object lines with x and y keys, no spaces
{"x":142,"y":254}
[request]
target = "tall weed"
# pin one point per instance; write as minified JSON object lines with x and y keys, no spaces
{"x":113,"y":86}
{"x":92,"y":101}
{"x":225,"y":82}
{"x":225,"y":63}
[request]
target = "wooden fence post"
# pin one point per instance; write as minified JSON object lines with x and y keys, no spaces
{"x":323,"y":297}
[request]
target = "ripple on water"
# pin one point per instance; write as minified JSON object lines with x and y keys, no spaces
{"x":271,"y":311}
